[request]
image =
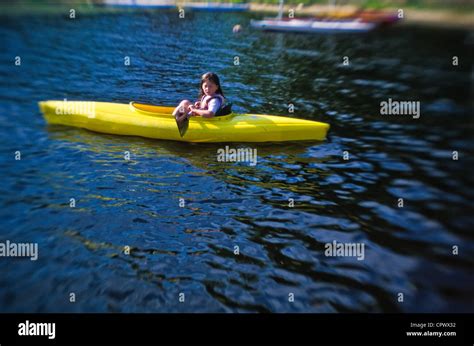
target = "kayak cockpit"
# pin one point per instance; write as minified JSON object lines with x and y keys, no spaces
{"x":150,"y":109}
{"x":153,"y":110}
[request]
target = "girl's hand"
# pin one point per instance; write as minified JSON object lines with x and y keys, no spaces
{"x":197,"y":104}
{"x":191,"y":110}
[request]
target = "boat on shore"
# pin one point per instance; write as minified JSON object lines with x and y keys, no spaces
{"x":334,"y":20}
{"x":313,"y":25}
{"x":378,"y":17}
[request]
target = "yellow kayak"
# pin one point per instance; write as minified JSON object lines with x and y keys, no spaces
{"x":157,"y":122}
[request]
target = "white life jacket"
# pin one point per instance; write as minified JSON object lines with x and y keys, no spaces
{"x":205,"y":101}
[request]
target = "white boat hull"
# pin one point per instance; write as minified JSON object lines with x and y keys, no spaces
{"x":312,"y":26}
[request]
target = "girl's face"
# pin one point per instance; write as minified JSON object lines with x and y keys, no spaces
{"x":209,"y":87}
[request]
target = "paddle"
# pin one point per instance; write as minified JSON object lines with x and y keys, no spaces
{"x":182,"y":120}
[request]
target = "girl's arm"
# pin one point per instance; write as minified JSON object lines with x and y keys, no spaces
{"x":203,"y":112}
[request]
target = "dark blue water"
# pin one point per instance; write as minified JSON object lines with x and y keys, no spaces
{"x":190,"y":250}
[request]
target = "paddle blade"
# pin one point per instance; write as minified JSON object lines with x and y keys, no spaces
{"x":182,"y":121}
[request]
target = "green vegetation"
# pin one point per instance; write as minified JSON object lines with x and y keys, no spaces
{"x":450,"y":5}
{"x":461,"y":5}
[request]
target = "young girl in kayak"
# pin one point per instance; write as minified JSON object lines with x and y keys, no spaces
{"x":211,"y":99}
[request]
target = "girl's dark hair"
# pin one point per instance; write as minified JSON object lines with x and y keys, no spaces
{"x":210,"y":76}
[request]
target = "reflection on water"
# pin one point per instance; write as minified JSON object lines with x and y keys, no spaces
{"x":278,"y":214}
